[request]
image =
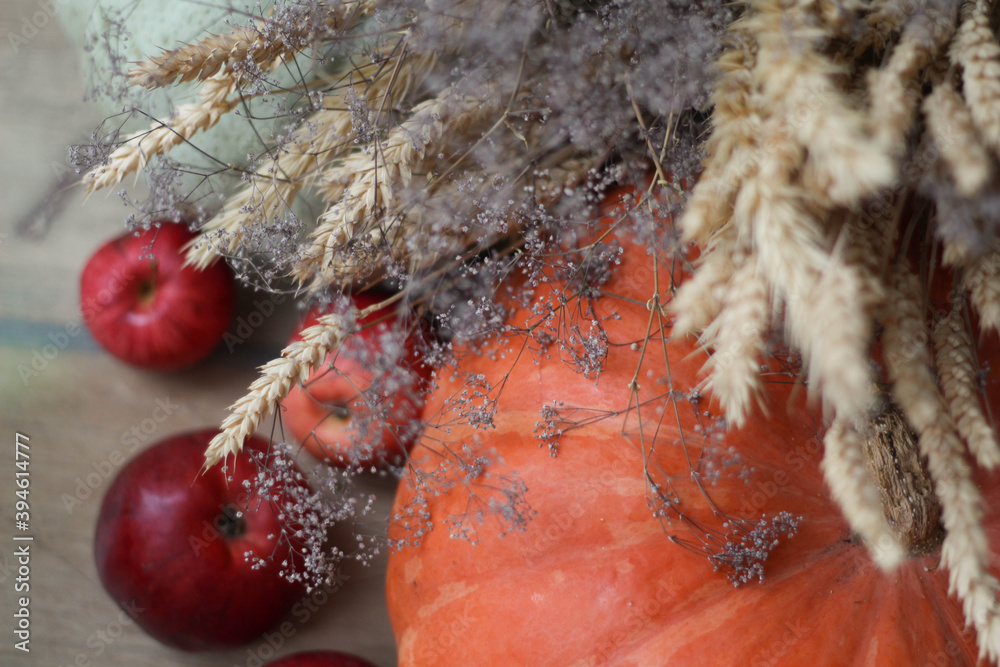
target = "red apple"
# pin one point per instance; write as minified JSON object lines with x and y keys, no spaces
{"x":333,"y":417}
{"x":171,"y":546}
{"x":320,"y":659}
{"x":145,"y":307}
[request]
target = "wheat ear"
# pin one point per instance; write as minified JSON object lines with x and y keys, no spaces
{"x":799,"y":86}
{"x":263,"y":44}
{"x":975,"y":48}
{"x":965,"y":551}
{"x":316,"y":142}
{"x":272,"y":188}
{"x":894,"y":89}
{"x":819,"y":291}
{"x":982,"y":281}
{"x":735,"y":121}
{"x":950,"y":125}
{"x":852,"y":486}
{"x":365,"y":185}
{"x":699,"y":299}
{"x":188,"y":119}
{"x":736,"y":337}
{"x":276,"y":380}
{"x":955,"y":358}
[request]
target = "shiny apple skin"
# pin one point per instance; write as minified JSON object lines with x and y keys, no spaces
{"x":310,"y":410}
{"x":160,"y":552}
{"x":320,"y":659}
{"x":155,"y":313}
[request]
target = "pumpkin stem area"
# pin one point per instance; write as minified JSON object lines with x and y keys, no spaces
{"x":905,"y":487}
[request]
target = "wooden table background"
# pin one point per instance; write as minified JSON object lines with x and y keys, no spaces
{"x":77,"y":407}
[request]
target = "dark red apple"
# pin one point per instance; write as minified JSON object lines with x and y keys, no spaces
{"x":320,"y":659}
{"x":145,"y":307}
{"x":361,"y":408}
{"x":171,"y":546}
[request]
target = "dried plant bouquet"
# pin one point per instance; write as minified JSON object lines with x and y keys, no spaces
{"x":843,"y":153}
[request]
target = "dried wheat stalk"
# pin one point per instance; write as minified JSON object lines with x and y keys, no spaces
{"x":699,"y":300}
{"x":737,"y":337}
{"x":982,"y":281}
{"x":951,"y":127}
{"x":320,"y":140}
{"x":894,"y":89}
{"x":276,"y":380}
{"x":730,"y":146}
{"x":955,"y":358}
{"x":977,"y":51}
{"x":801,"y":211}
{"x":965,"y":551}
{"x":189,"y":119}
{"x":365,"y":186}
{"x":265,"y":44}
{"x":852,"y":487}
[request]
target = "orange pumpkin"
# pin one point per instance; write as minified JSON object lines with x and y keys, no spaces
{"x":638,"y":519}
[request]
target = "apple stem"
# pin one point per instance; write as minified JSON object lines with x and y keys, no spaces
{"x":147,"y":288}
{"x":230,"y":523}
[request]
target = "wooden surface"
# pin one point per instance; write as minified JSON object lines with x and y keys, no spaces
{"x":81,"y":401}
